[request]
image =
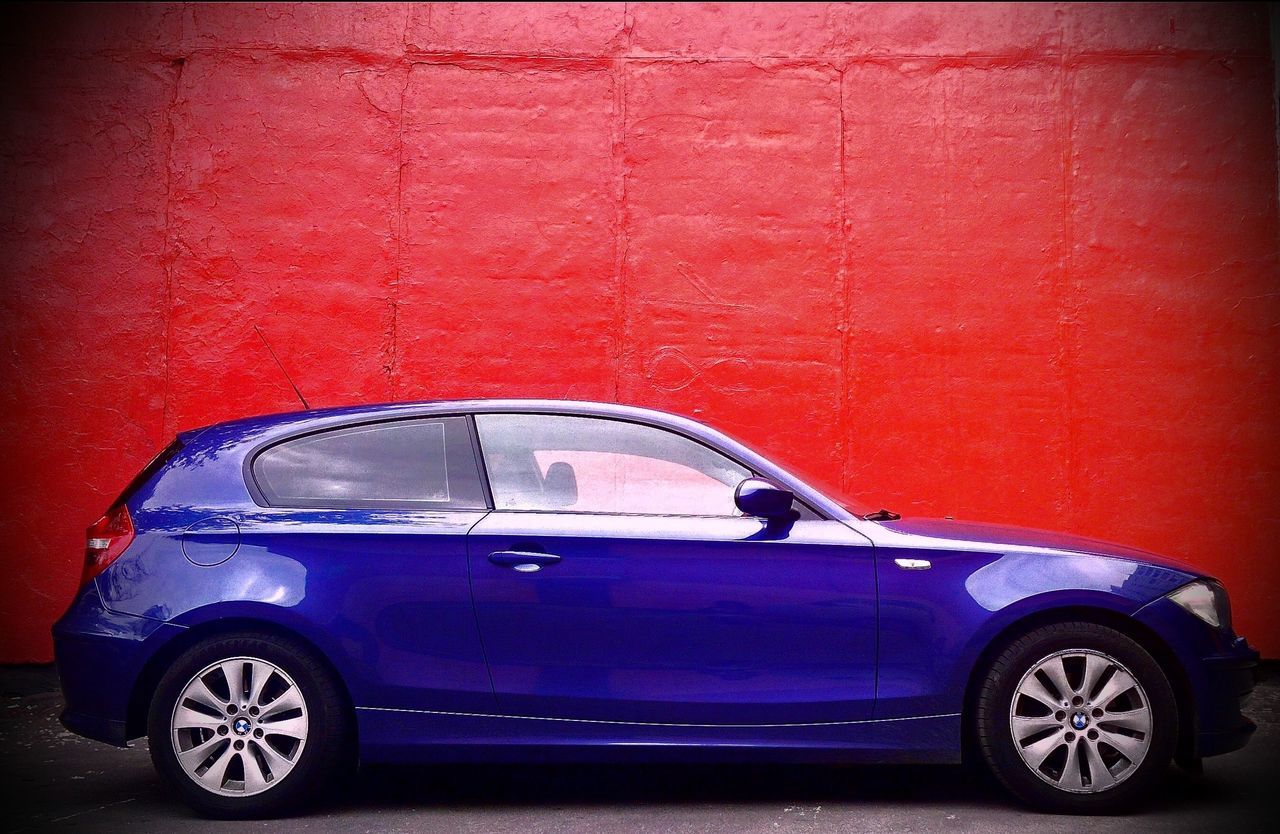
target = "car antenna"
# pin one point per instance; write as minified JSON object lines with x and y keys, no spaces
{"x":281,"y":367}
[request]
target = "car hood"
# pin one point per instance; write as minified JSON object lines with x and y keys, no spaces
{"x":973,"y":533}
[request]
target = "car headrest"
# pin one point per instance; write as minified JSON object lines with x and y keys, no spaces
{"x":560,"y":486}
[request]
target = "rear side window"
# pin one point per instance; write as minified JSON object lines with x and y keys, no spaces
{"x":405,"y":464}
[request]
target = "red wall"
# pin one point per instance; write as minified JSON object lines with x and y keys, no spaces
{"x":1010,"y":263}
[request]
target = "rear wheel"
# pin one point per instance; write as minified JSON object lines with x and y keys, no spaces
{"x":1077,"y":718}
{"x":247,"y":725}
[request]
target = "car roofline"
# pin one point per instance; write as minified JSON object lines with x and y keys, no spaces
{"x":262,"y":431}
{"x":323,"y":417}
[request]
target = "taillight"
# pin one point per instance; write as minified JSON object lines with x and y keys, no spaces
{"x":109,"y":536}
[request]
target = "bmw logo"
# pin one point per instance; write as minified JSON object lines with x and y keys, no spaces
{"x":241,"y":726}
{"x":1079,"y":721}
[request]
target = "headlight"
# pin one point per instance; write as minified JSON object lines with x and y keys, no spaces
{"x":1207,"y":600}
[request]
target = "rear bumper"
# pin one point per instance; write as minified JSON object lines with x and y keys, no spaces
{"x":100,"y":655}
{"x":96,"y":727}
{"x":1220,"y":672}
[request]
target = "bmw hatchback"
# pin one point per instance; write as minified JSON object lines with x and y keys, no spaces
{"x":273,"y":600}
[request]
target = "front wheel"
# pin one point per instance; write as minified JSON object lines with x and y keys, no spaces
{"x":1077,"y":718}
{"x":247,"y":725}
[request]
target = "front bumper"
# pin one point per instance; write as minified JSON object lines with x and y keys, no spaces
{"x":1220,"y":672}
{"x":100,"y":655}
{"x":1233,"y":679}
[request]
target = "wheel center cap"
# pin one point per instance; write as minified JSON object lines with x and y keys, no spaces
{"x":241,"y":726}
{"x":1079,"y":721}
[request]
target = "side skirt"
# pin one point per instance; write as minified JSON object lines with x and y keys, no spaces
{"x":405,"y":736}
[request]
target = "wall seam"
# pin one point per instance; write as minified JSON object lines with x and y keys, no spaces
{"x":621,"y":239}
{"x":804,"y":59}
{"x":394,"y":334}
{"x":1067,"y":300}
{"x":375,"y":55}
{"x":168,"y":252}
{"x":1273,"y":15}
{"x":843,"y":326}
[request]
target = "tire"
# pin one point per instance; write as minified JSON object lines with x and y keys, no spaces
{"x":280,"y":747}
{"x":1063,"y":760}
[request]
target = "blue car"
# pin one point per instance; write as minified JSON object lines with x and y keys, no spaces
{"x":275,"y":599}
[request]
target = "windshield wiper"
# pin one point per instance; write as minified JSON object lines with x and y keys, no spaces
{"x":881,"y":515}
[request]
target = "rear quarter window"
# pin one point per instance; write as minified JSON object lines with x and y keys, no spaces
{"x":405,"y":464}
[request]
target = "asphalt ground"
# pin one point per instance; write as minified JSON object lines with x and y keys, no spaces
{"x":55,"y":781}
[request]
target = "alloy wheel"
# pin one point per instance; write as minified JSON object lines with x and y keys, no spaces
{"x":1081,"y":721}
{"x":239,"y":726}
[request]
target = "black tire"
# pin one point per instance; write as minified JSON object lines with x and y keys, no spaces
{"x":996,"y":739}
{"x":322,"y":759}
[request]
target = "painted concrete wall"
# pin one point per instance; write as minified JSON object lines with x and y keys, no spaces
{"x":1011,"y":263}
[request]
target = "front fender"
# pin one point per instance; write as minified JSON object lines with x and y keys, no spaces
{"x":935,"y":624}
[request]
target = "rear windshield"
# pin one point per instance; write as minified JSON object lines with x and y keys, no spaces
{"x":157,"y":463}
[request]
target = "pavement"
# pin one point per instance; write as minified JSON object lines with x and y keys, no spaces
{"x":55,"y":781}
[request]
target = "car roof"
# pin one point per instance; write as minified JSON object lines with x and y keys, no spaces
{"x":286,"y":422}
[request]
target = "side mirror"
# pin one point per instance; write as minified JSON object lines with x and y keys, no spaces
{"x":758,"y":497}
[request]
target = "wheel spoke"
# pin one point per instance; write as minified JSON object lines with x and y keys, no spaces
{"x":1137,"y":720}
{"x":259,"y":674}
{"x":1058,"y":675}
{"x":1037,"y":691}
{"x":291,"y":727}
{"x":1131,"y":748}
{"x":1035,"y":753}
{"x":193,"y":758}
{"x":200,"y":692}
{"x":1120,"y":683}
{"x":255,"y":778}
{"x":234,"y":672}
{"x":277,"y":762}
{"x":289,"y":700}
{"x":1094,"y":668}
{"x":1024,"y":727}
{"x":1100,"y":777}
{"x":1072,"y":778}
{"x":217,"y":772}
{"x":186,"y":718}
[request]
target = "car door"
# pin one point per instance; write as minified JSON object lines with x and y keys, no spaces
{"x":616,"y":581}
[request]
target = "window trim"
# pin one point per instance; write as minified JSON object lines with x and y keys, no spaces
{"x":259,"y":496}
{"x":562,"y":511}
{"x":478,"y":456}
{"x":470,"y":415}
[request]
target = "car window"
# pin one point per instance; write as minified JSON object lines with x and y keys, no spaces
{"x":404,"y":464}
{"x":588,"y":464}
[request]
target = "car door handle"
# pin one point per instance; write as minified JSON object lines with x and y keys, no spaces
{"x":523,"y":560}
